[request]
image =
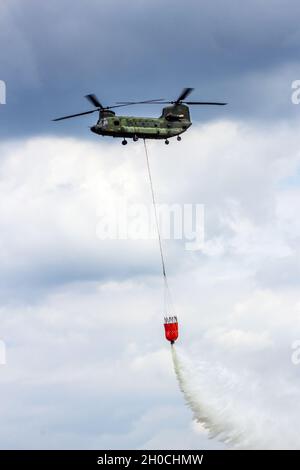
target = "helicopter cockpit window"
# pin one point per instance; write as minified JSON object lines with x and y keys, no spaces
{"x":116,"y":122}
{"x":104,"y":122}
{"x":174,"y":117}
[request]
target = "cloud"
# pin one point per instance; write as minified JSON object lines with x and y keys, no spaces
{"x":15,"y":43}
{"x":54,"y":54}
{"x":241,"y":339}
{"x":81,"y":319}
{"x":54,"y":190}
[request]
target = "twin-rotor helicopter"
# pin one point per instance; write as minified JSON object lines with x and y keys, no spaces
{"x":174,"y":120}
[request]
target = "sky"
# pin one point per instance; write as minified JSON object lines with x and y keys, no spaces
{"x":81,"y":318}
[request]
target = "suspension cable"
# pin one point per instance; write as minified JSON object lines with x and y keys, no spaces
{"x":167,"y":293}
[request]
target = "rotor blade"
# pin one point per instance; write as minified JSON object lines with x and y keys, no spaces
{"x":119,"y":105}
{"x":185,"y":92}
{"x":74,"y":115}
{"x":140,"y":102}
{"x":204,"y":102}
{"x":94,"y":100}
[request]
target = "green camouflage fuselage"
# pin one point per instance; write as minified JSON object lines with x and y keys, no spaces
{"x":174,"y":121}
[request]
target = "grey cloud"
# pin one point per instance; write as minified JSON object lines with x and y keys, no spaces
{"x":227,"y":51}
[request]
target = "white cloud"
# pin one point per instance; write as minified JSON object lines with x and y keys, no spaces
{"x":86,"y":363}
{"x":240,"y":339}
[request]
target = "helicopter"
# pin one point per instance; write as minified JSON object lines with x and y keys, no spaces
{"x":174,"y":120}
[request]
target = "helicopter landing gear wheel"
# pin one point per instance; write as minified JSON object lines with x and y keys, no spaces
{"x":124,"y":142}
{"x":178,"y":138}
{"x":135,"y":138}
{"x":167,"y":142}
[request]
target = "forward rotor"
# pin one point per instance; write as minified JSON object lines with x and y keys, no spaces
{"x":92,"y":98}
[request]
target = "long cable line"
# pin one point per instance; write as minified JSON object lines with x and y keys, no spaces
{"x":167,"y":294}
